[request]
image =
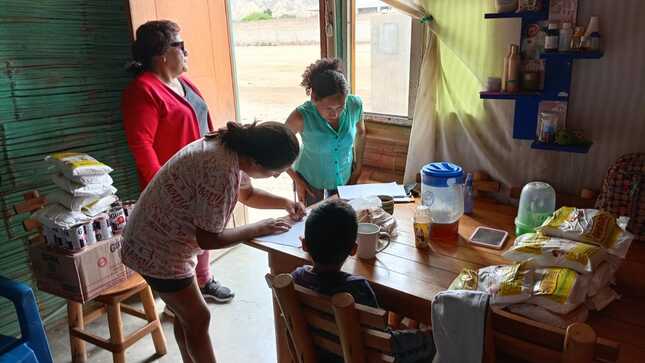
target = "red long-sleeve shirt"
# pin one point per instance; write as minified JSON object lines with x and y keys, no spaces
{"x":157,"y":123}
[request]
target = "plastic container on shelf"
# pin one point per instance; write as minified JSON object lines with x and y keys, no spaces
{"x":537,"y":203}
{"x":442,"y":190}
{"x":505,"y":6}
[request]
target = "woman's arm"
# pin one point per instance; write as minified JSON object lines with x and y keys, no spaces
{"x":258,"y":198}
{"x":359,"y":151}
{"x":231,"y":236}
{"x":140,"y":120}
{"x":296,"y":123}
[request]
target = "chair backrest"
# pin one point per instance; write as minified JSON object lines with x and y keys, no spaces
{"x":33,"y":202}
{"x":337,"y":325}
{"x":32,"y":331}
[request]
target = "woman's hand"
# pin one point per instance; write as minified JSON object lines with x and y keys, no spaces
{"x":296,"y":210}
{"x":271,"y":226}
{"x":302,"y":187}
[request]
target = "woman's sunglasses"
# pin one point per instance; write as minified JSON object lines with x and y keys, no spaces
{"x":179,"y":45}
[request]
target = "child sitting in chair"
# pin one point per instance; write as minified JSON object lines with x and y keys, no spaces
{"x":330,"y":237}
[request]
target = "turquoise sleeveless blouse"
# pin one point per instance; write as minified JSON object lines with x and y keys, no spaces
{"x":326,"y":154}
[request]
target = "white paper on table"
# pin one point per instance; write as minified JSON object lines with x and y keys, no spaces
{"x":288,"y":238}
{"x":366,"y":190}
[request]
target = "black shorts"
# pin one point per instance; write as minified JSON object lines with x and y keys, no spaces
{"x":168,"y":285}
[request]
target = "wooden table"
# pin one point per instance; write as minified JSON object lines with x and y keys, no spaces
{"x":406,"y":279}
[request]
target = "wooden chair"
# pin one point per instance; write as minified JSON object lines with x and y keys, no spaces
{"x":111,"y":302}
{"x":337,"y":325}
{"x":519,"y":338}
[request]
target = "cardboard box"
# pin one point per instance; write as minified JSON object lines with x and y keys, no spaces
{"x":78,"y":276}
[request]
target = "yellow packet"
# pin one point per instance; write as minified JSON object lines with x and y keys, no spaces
{"x":589,"y":226}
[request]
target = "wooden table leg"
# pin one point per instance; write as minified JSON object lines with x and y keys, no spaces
{"x":75,"y":320}
{"x":158,"y":337}
{"x":116,"y":332}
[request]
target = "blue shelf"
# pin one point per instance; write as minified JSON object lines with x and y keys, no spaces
{"x":571,"y":55}
{"x":518,"y":95}
{"x":507,"y":96}
{"x":528,"y":15}
{"x":581,"y":149}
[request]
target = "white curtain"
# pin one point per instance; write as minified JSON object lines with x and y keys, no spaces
{"x":414,"y":8}
{"x":423,"y":136}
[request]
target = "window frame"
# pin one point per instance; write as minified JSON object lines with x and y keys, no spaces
{"x":348,"y":32}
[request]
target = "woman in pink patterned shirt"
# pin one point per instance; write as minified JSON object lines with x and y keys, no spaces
{"x":186,"y":207}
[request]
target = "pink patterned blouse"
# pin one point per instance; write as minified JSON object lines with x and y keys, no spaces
{"x":197,"y":187}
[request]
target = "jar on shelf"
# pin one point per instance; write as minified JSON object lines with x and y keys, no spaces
{"x":548,"y":126}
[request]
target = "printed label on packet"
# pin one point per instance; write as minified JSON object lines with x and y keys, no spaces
{"x":581,"y":253}
{"x":467,"y":280}
{"x":511,"y":281}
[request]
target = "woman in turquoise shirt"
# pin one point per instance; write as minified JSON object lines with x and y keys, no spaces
{"x":332,"y":130}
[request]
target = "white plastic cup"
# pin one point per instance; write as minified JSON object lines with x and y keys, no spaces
{"x":594,"y":26}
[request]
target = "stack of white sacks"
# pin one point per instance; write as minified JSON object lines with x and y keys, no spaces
{"x":76,"y":213}
{"x":561,"y":272}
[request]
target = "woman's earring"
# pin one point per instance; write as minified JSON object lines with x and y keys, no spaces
{"x":163,"y":59}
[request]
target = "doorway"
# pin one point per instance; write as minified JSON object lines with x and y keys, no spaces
{"x":274,"y":41}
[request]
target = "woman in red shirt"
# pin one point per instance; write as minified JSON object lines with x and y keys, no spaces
{"x":163,"y":112}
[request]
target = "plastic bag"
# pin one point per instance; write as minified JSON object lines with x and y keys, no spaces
{"x":368,"y":210}
{"x":543,"y":315}
{"x":79,"y":190}
{"x":560,"y":290}
{"x":556,"y":252}
{"x":604,"y":297}
{"x":506,"y":284}
{"x":603,"y":276}
{"x":99,"y":205}
{"x":69,"y":201}
{"x":56,"y":216}
{"x":104,"y":179}
{"x":588,"y":226}
{"x":76,"y":164}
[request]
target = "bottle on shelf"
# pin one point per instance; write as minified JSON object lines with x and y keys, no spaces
{"x":551,"y":41}
{"x":564,"y":42}
{"x":512,"y":69}
{"x":592,"y":35}
{"x":576,"y":39}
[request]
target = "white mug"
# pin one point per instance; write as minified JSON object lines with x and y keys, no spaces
{"x":369,"y":239}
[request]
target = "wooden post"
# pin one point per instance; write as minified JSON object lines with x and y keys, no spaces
{"x":158,"y":337}
{"x":287,"y":298}
{"x":115,"y":324}
{"x":75,"y":320}
{"x":579,"y":343}
{"x":349,"y":328}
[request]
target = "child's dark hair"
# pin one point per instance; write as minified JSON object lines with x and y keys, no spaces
{"x":330,"y":232}
{"x":270,"y":144}
{"x":324,"y":78}
{"x":152,"y":39}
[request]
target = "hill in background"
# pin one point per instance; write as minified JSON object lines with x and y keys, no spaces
{"x":278,"y":8}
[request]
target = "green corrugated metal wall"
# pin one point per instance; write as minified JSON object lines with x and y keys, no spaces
{"x":61,"y":76}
